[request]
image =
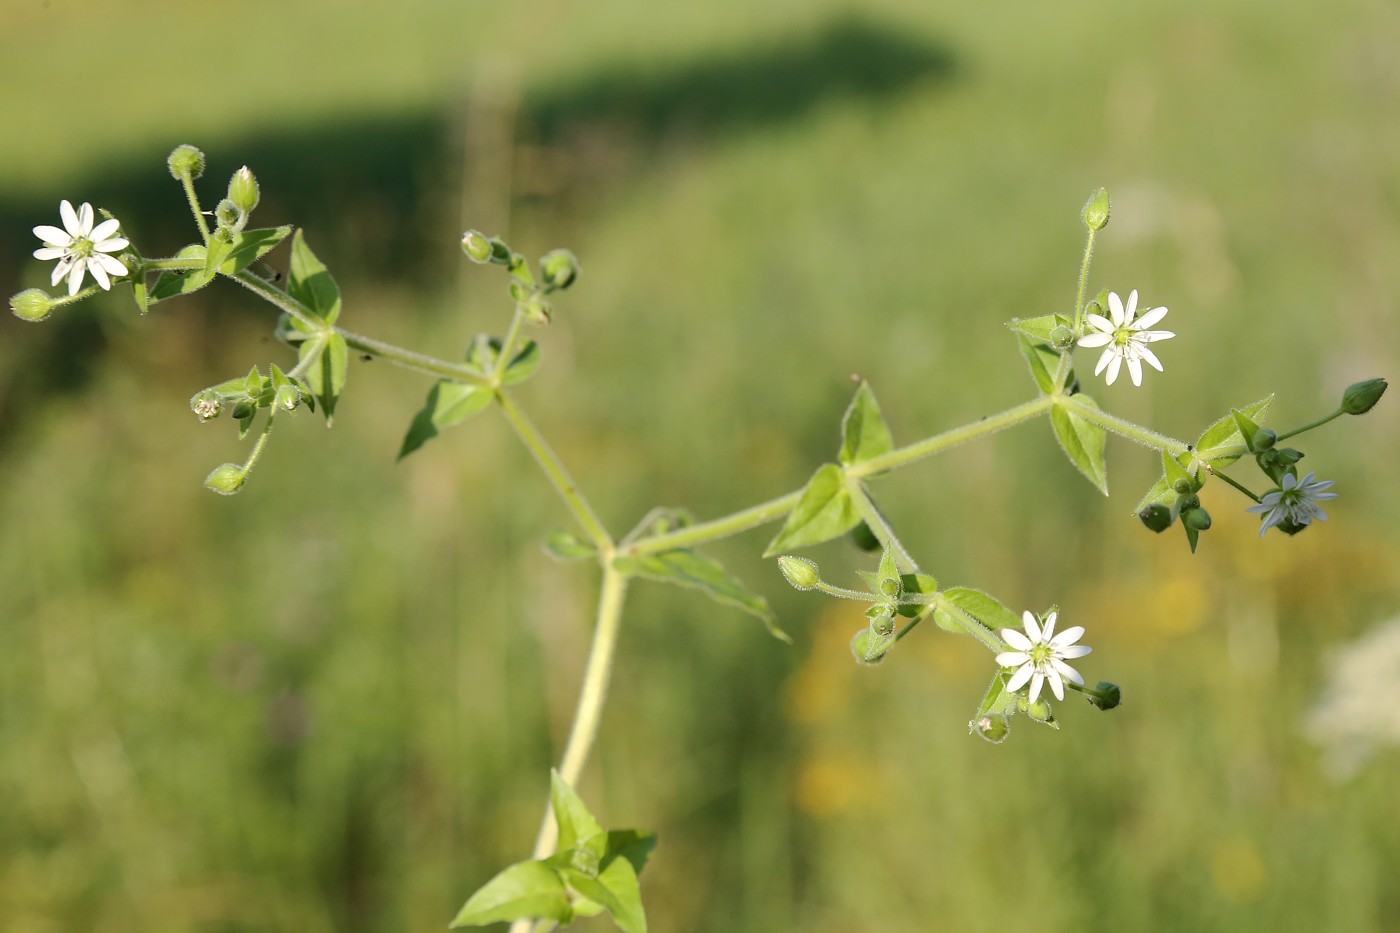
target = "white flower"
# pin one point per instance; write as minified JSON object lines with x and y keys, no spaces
{"x":1295,"y":502}
{"x":1125,"y":339}
{"x":79,"y":247}
{"x":1040,"y":655}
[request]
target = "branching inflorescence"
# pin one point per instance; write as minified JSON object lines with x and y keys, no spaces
{"x":579,"y":869}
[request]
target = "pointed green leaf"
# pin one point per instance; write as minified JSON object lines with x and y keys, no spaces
{"x":1173,"y":470}
{"x":1225,"y":434}
{"x":634,"y":845}
{"x":864,"y":434}
{"x":690,"y":569}
{"x":1038,"y":328}
{"x":997,"y":699}
{"x":448,"y":403}
{"x":251,"y":245}
{"x":1043,"y":362}
{"x":1083,"y":442}
{"x":1246,"y":426}
{"x":140,"y":292}
{"x":617,"y":890}
{"x":215,"y":252}
{"x":889,"y":570}
{"x":1192,"y":535}
{"x":575,"y":822}
{"x":824,"y":512}
{"x":311,"y":284}
{"x":1159,"y":493}
{"x":523,"y":366}
{"x":524,"y":890}
{"x":170,"y":284}
{"x":562,"y":545}
{"x":326,"y":375}
{"x":982,"y":607}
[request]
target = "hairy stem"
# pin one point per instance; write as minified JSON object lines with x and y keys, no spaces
{"x":1121,"y":426}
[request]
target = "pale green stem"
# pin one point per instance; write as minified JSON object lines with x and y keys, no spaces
{"x":1312,"y":424}
{"x":558,"y":476}
{"x":593,"y":695}
{"x":188,"y":183}
{"x":752,"y":517}
{"x":419,"y":362}
{"x":974,"y":628}
{"x":1230,"y":482}
{"x":1135,"y":432}
{"x":1066,"y":358}
{"x":508,"y":343}
{"x":952,"y":438}
{"x":879,"y":525}
{"x":279,"y":299}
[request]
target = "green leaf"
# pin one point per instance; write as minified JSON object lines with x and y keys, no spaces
{"x":1225,"y":433}
{"x":997,"y":700}
{"x":523,"y":366}
{"x":824,"y":512}
{"x":448,"y":403}
{"x":917,"y":584}
{"x":982,"y":607}
{"x":1173,"y":470}
{"x":215,"y":252}
{"x":1246,"y":426}
{"x":575,"y":822}
{"x":524,"y":890}
{"x":170,"y":284}
{"x":617,"y":890}
{"x":634,"y":845}
{"x":1083,"y":442}
{"x":889,"y":570}
{"x":1043,"y":362}
{"x":864,"y":434}
{"x":326,"y":375}
{"x":1192,"y":535}
{"x":1038,"y":328}
{"x":311,"y":284}
{"x":1159,"y":493}
{"x":251,"y":245}
{"x":140,"y":292}
{"x":690,"y":569}
{"x":561,"y":544}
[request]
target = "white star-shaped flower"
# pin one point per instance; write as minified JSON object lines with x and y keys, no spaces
{"x":1039,"y":655}
{"x":1125,"y":339}
{"x":1296,"y":502}
{"x":82,"y":248}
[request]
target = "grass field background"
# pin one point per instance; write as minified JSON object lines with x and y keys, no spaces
{"x":331,"y":702}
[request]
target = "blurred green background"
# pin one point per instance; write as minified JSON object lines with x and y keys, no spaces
{"x":331,"y":702}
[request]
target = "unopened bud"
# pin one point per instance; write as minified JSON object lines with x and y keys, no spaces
{"x":1196,"y":518}
{"x":1061,"y":337}
{"x":537,"y":309}
{"x":32,"y":304}
{"x":802,"y":573}
{"x":870,"y":648}
{"x":207,"y":405}
{"x":883,"y":623}
{"x":185,"y":162}
{"x":993,"y":727}
{"x":287,"y":398}
{"x":243,"y":190}
{"x":230,"y":217}
{"x":1157,"y":517}
{"x":1362,"y":397}
{"x":1040,"y":711}
{"x":1096,"y":210}
{"x":1106,"y":695}
{"x":477,"y":246}
{"x":558,"y":268}
{"x":1182,"y":486}
{"x":226,"y":479}
{"x":1265,"y":438}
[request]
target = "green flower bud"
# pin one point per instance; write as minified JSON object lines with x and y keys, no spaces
{"x":1040,"y":711}
{"x":477,"y":246}
{"x":802,"y":573}
{"x":1061,"y":337}
{"x":993,"y":727}
{"x":226,"y":479}
{"x":186,"y":162}
{"x":1265,"y":438}
{"x":892,"y":587}
{"x":230,"y":217}
{"x":1157,"y":517}
{"x":207,"y":405}
{"x":1196,"y":518}
{"x":501,"y":254}
{"x":32,"y":304}
{"x":287,"y":398}
{"x":558,"y":268}
{"x":869,"y":648}
{"x":1106,"y":695}
{"x":1096,"y":210}
{"x":883,"y":623}
{"x":243,"y":190}
{"x":1182,"y":486}
{"x":537,"y":309}
{"x":1362,"y":397}
{"x":1187,"y":503}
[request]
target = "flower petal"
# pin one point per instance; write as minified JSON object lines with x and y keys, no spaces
{"x":111,"y":245}
{"x":58,"y":252}
{"x":1131,"y":309}
{"x":1148,"y":318}
{"x":1095,"y":340}
{"x":70,"y":217}
{"x":1105,"y":358}
{"x":75,"y":276}
{"x":1037,"y":680}
{"x":1135,"y":369}
{"x":1068,"y":637}
{"x":1048,"y":628}
{"x":105,"y":229}
{"x":110,"y":264}
{"x":1099,"y":322}
{"x":99,"y":275}
{"x":53,"y":236}
{"x":1018,"y":679}
{"x":1012,"y":658}
{"x":1113,"y":366}
{"x":1151,"y":358}
{"x":1070,"y":652}
{"x":1032,"y":626}
{"x":1016,"y":639}
{"x":1057,"y":685}
{"x":1115,"y":308}
{"x":1067,"y":672}
{"x":85,"y":220}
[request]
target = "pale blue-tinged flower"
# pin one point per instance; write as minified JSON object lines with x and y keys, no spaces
{"x":81,"y":248}
{"x":1295,"y":501}
{"x":1039,"y":655}
{"x":1125,"y":337}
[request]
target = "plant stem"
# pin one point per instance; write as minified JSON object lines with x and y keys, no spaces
{"x":558,"y":476}
{"x":880,"y":525}
{"x":1313,"y":424}
{"x":1135,"y":432}
{"x":419,"y":362}
{"x":592,"y":696}
{"x":730,"y":525}
{"x":278,"y":299}
{"x":1231,"y":483}
{"x":188,"y":184}
{"x":952,"y":438}
{"x":1067,"y":357}
{"x":508,"y":343}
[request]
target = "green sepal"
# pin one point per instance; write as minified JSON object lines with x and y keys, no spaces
{"x":1225,"y":433}
{"x":916,"y":584}
{"x":1173,"y":471}
{"x":140,"y":292}
{"x":524,"y":890}
{"x":997,"y":701}
{"x":1083,"y":442}
{"x":888,"y":576}
{"x":326,"y":374}
{"x":864,"y":434}
{"x":215,"y":252}
{"x":1162,"y":491}
{"x":1043,"y":362}
{"x":824,"y":512}
{"x":1192,"y":535}
{"x":1246,"y":426}
{"x":170,"y":284}
{"x":519,"y":270}
{"x":310,"y":283}
{"x":614,"y":889}
{"x":523,"y":365}
{"x":448,"y":403}
{"x":870,"y":647}
{"x":563,"y":545}
{"x":1038,"y":328}
{"x":688,"y":568}
{"x":981,"y":606}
